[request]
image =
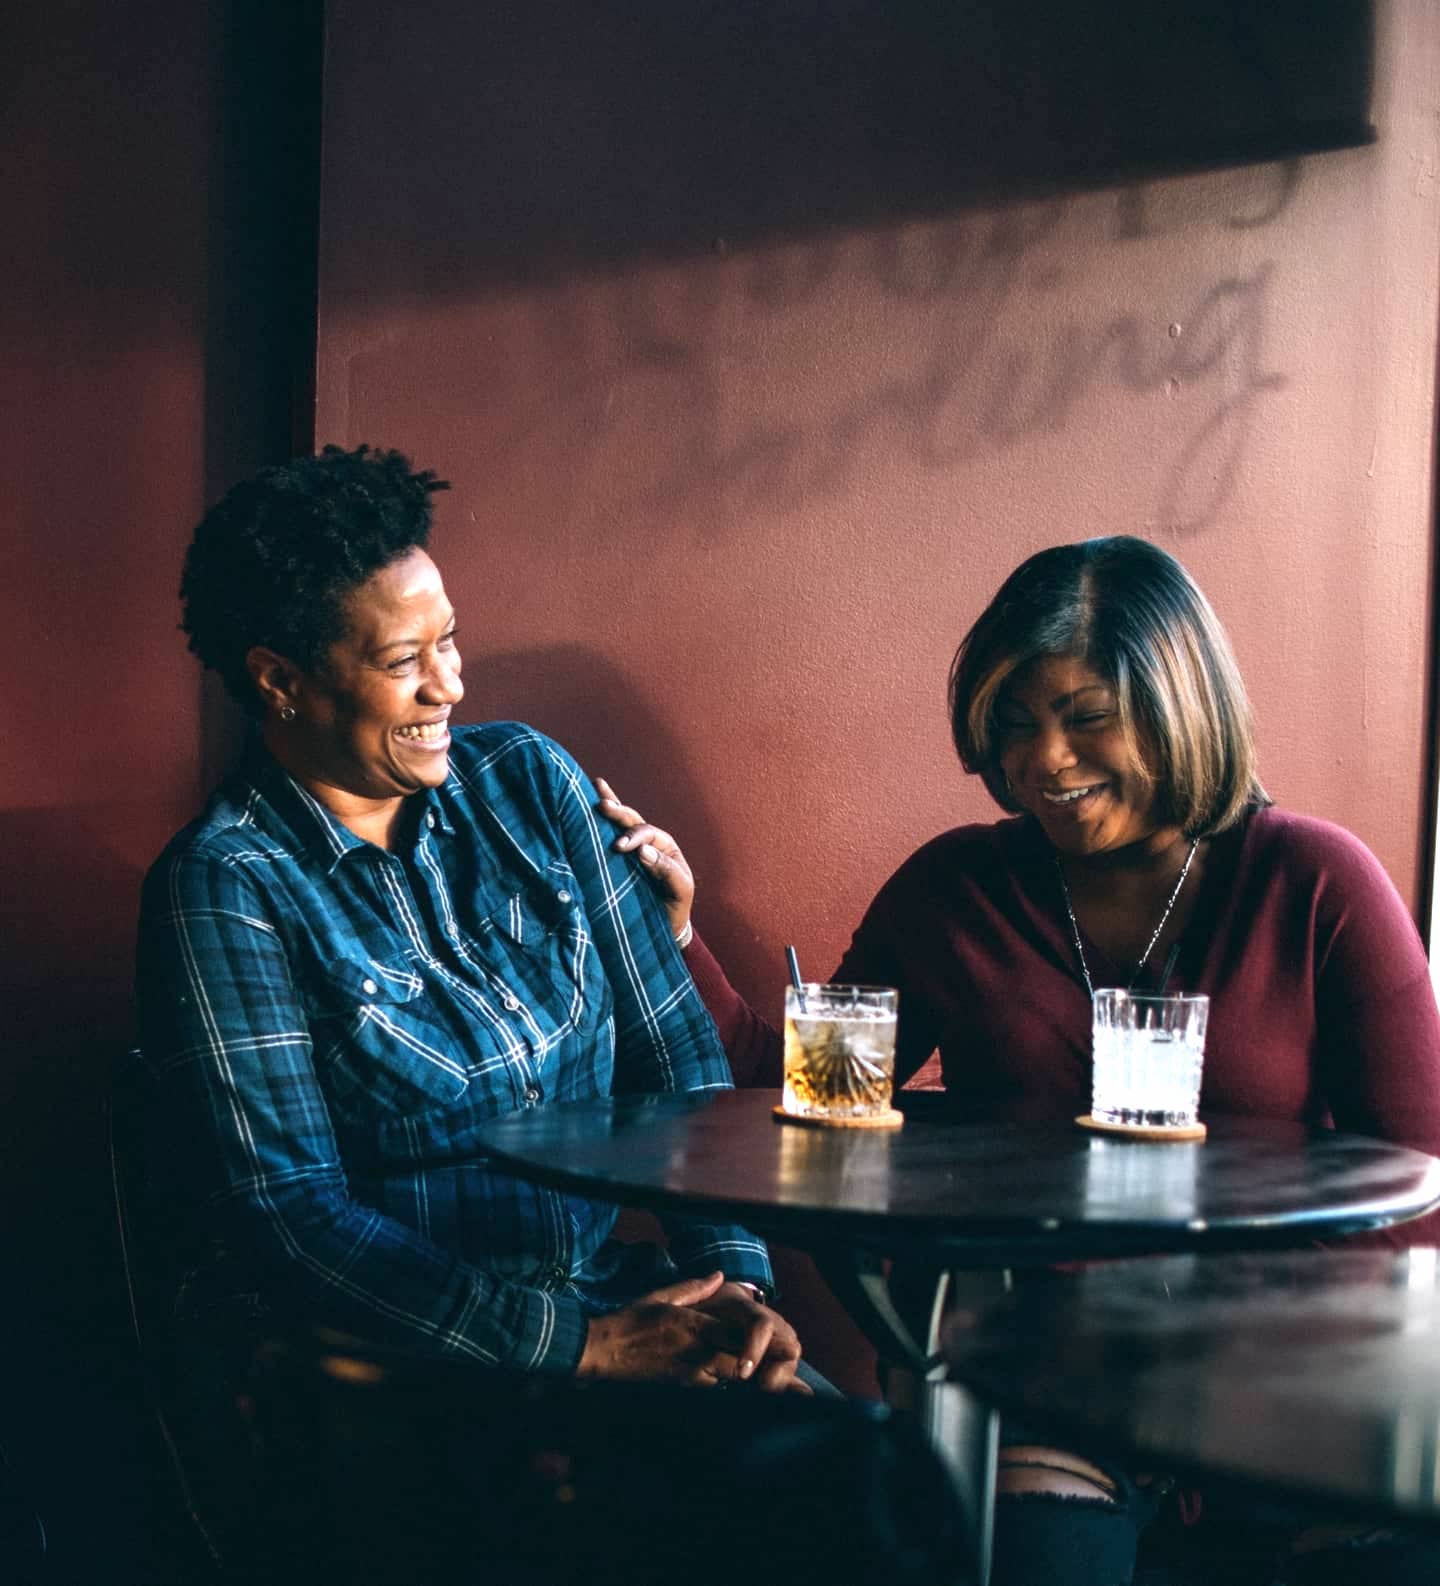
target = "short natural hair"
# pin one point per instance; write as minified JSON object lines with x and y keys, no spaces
{"x":272,"y":562}
{"x":1131,"y":611}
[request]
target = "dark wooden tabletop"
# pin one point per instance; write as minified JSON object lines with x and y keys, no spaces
{"x":970,"y":1193}
{"x":1315,"y":1372}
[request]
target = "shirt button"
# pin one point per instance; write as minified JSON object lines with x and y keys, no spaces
{"x":511,"y":1003}
{"x":430,"y":819}
{"x":562,"y":896}
{"x":532,"y":1094}
{"x":369,"y":987}
{"x":559,"y":1275}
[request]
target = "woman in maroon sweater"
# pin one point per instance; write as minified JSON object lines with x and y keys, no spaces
{"x":1098,"y":699}
{"x":1321,"y":1004}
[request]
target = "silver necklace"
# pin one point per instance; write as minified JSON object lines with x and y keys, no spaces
{"x":1154,"y":935}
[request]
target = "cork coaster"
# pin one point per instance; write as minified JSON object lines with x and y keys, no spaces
{"x":889,"y":1119}
{"x":1143,"y":1131}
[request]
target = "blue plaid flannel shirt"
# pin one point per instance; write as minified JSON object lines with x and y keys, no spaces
{"x":324,"y":1024}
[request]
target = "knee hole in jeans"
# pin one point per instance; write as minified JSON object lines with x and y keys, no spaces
{"x":1029,"y":1471}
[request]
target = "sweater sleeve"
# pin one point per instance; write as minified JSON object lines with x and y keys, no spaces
{"x":1378,"y":1024}
{"x":753,"y":1045}
{"x":881,"y":954}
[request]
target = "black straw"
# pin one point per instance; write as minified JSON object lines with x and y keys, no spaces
{"x":795,"y":980}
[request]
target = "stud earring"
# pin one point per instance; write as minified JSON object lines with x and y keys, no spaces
{"x":287,"y":713}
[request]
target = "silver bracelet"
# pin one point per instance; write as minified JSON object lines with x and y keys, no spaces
{"x":682,"y":941}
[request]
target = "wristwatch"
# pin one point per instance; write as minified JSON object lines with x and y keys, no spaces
{"x":756,"y":1292}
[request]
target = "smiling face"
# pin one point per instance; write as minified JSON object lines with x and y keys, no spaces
{"x":1069,"y":761}
{"x":371,"y":723}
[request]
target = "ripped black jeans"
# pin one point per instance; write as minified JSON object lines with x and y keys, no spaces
{"x":1063,"y":1540}
{"x":1137,"y":1535}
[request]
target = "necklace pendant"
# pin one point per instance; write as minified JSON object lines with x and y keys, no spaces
{"x":1154,"y":935}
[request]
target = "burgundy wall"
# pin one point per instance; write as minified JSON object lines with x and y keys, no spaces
{"x":721,"y":516}
{"x":102,"y":340}
{"x":102,"y":324}
{"x":146,"y":354}
{"x":722,"y":512}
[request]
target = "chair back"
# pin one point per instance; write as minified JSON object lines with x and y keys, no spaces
{"x":204,"y":1447}
{"x":144,"y":1288}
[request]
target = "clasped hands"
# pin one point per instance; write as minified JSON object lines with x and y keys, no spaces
{"x":703,"y":1332}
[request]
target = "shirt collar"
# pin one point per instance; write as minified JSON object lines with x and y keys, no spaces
{"x":322,"y":836}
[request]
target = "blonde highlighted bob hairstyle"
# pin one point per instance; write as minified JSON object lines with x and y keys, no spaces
{"x":1132,"y":612}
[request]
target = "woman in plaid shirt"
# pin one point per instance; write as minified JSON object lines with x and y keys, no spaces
{"x":385,"y":929}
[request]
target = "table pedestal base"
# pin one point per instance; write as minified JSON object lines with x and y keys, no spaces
{"x":905,"y":1330}
{"x":966,"y":1435}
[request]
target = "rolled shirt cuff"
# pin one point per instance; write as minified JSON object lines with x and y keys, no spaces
{"x":560,"y":1341}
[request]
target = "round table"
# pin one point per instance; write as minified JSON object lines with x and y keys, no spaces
{"x":946,"y":1195}
{"x":967,"y":1194}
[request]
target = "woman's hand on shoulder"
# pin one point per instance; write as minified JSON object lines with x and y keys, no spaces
{"x":658,"y":853}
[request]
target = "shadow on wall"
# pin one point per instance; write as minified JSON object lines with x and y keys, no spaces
{"x":71,"y":1421}
{"x":585,"y":702}
{"x":628,"y":388}
{"x":563,"y":132}
{"x":67,"y":936}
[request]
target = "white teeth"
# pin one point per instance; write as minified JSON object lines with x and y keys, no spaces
{"x":1068,"y":798}
{"x":423,"y":731}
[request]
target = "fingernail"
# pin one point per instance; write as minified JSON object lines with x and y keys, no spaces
{"x":746,"y":1370}
{"x":649,"y":853}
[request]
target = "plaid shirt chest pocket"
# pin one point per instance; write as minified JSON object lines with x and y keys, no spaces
{"x":380,"y":1043}
{"x":540,"y":940}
